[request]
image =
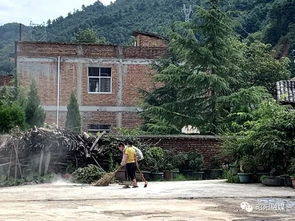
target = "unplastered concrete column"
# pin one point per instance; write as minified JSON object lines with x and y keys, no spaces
{"x":79,"y":82}
{"x":79,"y":69}
{"x":121,"y":70}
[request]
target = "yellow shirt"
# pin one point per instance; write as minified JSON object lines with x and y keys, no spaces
{"x":130,"y":152}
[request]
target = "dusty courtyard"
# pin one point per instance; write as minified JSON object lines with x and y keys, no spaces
{"x":191,"y":200}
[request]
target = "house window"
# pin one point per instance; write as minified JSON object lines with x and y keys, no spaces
{"x":99,"y":80}
{"x":94,"y":128}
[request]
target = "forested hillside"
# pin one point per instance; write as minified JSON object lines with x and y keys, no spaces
{"x":267,"y":20}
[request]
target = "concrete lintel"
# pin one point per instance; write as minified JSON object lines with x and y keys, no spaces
{"x":97,"y":108}
{"x":38,"y":59}
{"x":108,"y":60}
{"x":86,"y":60}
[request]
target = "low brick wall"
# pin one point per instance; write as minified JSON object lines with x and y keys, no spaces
{"x":207,"y":146}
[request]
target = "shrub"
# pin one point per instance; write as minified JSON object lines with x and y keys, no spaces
{"x":268,"y":137}
{"x":195,"y":161}
{"x":180,"y":177}
{"x":154,"y":159}
{"x":188,"y":161}
{"x":291,"y":170}
{"x":88,"y":174}
{"x":10,"y":117}
{"x":247,"y":164}
{"x":230,"y":177}
{"x":9,"y":181}
{"x":168,"y":163}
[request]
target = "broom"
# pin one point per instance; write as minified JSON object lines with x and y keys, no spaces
{"x":142,"y":176}
{"x":107,"y":178}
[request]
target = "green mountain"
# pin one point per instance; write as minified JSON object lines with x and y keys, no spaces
{"x":117,"y":21}
{"x":268,"y":20}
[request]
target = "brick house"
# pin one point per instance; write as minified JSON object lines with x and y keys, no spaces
{"x":105,"y":78}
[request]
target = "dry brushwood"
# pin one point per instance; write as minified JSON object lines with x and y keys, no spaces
{"x":59,"y":146}
{"x":38,"y":139}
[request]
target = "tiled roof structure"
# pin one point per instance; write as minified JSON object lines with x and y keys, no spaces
{"x":286,"y":91}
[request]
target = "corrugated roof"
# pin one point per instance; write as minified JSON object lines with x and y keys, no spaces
{"x":286,"y":91}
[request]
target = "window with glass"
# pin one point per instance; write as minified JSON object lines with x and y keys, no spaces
{"x":99,"y":80}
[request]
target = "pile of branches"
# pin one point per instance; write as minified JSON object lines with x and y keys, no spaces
{"x":58,"y":140}
{"x":65,"y":148}
{"x":42,"y":150}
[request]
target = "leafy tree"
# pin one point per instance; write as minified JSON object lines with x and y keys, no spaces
{"x":8,"y":94}
{"x":35,"y":114}
{"x":260,"y":68}
{"x":73,"y":120}
{"x":11,"y":115}
{"x":237,"y":108}
{"x":268,"y":138}
{"x":281,"y":21}
{"x":88,"y":36}
{"x":11,"y":109}
{"x":204,"y":67}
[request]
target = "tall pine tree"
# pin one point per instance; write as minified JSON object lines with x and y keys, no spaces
{"x":205,"y":67}
{"x":73,"y":121}
{"x":35,"y":114}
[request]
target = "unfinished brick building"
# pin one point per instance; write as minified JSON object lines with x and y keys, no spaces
{"x":105,"y":78}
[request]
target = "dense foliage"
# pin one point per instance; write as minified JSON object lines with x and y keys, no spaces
{"x":188,"y":161}
{"x":35,"y":114}
{"x":267,"y":140}
{"x":11,"y":110}
{"x":201,"y":90}
{"x":11,"y":116}
{"x":88,"y":36}
{"x":271,"y":20}
{"x":88,"y":174}
{"x":73,"y":120}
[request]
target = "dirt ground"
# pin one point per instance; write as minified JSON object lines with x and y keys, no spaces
{"x":191,"y":200}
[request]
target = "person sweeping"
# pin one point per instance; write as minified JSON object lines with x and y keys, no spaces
{"x":131,"y":154}
{"x":139,"y":157}
{"x":129,"y":160}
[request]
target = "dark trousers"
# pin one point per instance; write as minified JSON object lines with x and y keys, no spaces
{"x":130,"y":170}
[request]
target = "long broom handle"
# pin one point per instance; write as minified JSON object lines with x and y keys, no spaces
{"x":142,"y":176}
{"x":119,"y":168}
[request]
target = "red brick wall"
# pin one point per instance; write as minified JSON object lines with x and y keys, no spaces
{"x":39,"y":61}
{"x":131,"y":120}
{"x":138,"y":77}
{"x":144,"y":52}
{"x":98,"y":117}
{"x":51,"y":118}
{"x":207,"y":146}
{"x":46,"y":49}
{"x":44,"y":74}
{"x":148,"y":41}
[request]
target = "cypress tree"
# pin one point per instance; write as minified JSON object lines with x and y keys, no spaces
{"x":35,"y":114}
{"x":73,"y":120}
